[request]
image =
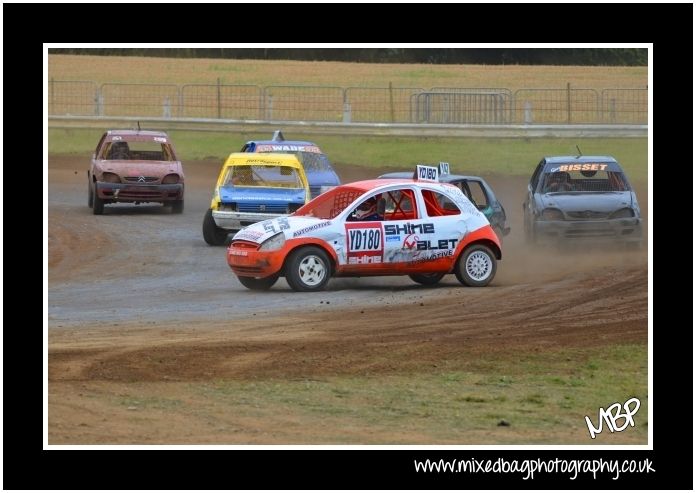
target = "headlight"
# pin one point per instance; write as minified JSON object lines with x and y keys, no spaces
{"x":111,"y":178}
{"x":626,"y":212}
{"x":552,"y":215}
{"x":171,"y":179}
{"x":275,"y":242}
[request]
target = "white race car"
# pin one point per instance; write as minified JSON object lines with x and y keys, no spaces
{"x":416,"y":227}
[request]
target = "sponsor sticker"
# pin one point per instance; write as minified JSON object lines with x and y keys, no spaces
{"x":364,"y":243}
{"x":287,"y":148}
{"x":580,"y":167}
{"x":249,"y":235}
{"x":311,"y":228}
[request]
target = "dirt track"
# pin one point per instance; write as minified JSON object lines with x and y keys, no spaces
{"x":137,"y":296}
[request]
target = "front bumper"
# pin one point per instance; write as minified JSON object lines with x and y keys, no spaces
{"x":625,"y":229}
{"x":238,"y":220}
{"x":130,"y":192}
{"x":251,"y":262}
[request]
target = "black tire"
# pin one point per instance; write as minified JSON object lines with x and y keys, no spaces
{"x":211,"y":233}
{"x":308,"y":269}
{"x":476,"y":266}
{"x":90,"y":197}
{"x":258,"y":283}
{"x":178,"y":206}
{"x":97,"y":203}
{"x":427,"y":279}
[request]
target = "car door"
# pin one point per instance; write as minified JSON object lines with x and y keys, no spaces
{"x":386,"y":245}
{"x":529,"y":207}
{"x":440,"y":229}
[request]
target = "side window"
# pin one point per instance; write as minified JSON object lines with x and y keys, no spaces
{"x":399,"y":205}
{"x":370,"y":209}
{"x":479,"y":197}
{"x":535,"y":177}
{"x":464,"y":187}
{"x":437,"y":204}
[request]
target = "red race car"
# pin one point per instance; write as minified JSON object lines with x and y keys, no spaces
{"x":416,"y":227}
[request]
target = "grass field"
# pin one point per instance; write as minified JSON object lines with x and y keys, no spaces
{"x":278,"y":72}
{"x":543,"y":397}
{"x":466,"y":155}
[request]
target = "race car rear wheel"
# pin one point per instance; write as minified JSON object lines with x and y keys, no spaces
{"x":427,"y":279}
{"x":308,"y":269}
{"x":476,"y":266}
{"x":258,"y":284}
{"x":211,"y":233}
{"x":90,"y":197}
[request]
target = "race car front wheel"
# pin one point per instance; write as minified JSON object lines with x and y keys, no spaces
{"x":308,"y":269}
{"x":211,"y":233}
{"x":258,"y":284}
{"x":476,"y":266}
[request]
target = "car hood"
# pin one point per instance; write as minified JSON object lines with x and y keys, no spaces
{"x":291,"y":226}
{"x":141,"y":168}
{"x":260,"y":194}
{"x":319,"y":178}
{"x":594,"y":201}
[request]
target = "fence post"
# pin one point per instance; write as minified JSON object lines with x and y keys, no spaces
{"x":53,"y":95}
{"x":98,"y":102}
{"x":612,"y":110}
{"x":218,"y":98}
{"x":167,"y":108}
{"x":527,"y":112}
{"x":391,"y":101}
{"x":346,"y":112}
{"x":568,"y":101}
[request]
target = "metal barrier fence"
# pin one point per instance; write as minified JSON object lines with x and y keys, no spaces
{"x":463,"y":105}
{"x":72,"y":97}
{"x":442,"y":105}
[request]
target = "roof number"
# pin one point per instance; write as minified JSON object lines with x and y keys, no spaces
{"x":444,"y":168}
{"x":426,"y":173}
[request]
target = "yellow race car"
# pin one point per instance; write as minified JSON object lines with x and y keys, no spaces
{"x":253,"y":188}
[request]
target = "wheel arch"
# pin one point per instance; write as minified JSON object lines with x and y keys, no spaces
{"x":330,"y":253}
{"x":484,"y":236}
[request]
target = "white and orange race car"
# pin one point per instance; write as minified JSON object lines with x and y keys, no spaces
{"x":416,"y":227}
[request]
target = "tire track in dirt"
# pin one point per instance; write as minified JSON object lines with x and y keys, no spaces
{"x":388,"y":339}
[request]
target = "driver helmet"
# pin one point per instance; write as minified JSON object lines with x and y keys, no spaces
{"x":367,"y":208}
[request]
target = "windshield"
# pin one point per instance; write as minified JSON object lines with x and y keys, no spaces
{"x":330,"y":204}
{"x":311,"y":157}
{"x":138,"y":150}
{"x":313,"y":161}
{"x":262,"y":176}
{"x":584,"y":181}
